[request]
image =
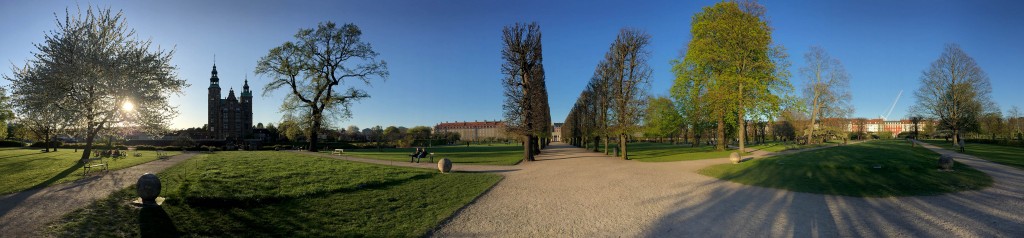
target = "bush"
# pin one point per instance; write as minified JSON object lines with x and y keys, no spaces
{"x":40,"y":144}
{"x":145,"y":147}
{"x":171,"y":148}
{"x":11,"y":143}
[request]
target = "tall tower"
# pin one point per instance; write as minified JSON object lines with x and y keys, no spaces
{"x":246,"y":101}
{"x":213,"y":105}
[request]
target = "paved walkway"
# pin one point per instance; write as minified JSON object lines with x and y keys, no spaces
{"x":24,"y":214}
{"x":573,"y":192}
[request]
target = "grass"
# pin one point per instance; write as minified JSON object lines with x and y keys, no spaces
{"x":282,"y":194}
{"x":459,"y":154}
{"x":23,"y":169}
{"x":1007,"y":155}
{"x":849,"y":170}
{"x":665,"y":152}
{"x":782,"y":146}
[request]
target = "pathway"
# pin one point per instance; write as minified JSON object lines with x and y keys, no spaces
{"x":24,"y":214}
{"x":573,"y":192}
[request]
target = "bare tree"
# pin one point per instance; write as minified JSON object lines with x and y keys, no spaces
{"x":525,"y":91}
{"x":826,"y":89}
{"x":955,"y":91}
{"x":627,"y":60}
{"x":313,"y":65}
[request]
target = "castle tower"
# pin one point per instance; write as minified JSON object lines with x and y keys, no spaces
{"x":213,"y":105}
{"x":246,"y":104}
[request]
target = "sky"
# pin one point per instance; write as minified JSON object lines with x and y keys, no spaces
{"x":444,"y":56}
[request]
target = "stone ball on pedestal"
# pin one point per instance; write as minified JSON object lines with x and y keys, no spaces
{"x":734,"y":157}
{"x":946,"y":162}
{"x":148,"y":188}
{"x":445,"y":165}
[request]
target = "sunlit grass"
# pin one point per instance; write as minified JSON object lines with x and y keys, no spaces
{"x":22,"y":169}
{"x":666,"y":152}
{"x":282,"y":194}
{"x":851,"y":170}
{"x":496,"y":154}
{"x":1007,"y":155}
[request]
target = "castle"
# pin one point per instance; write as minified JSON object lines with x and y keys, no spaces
{"x":229,"y":118}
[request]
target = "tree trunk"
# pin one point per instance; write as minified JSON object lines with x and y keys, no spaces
{"x":622,"y":146}
{"x":742,"y":122}
{"x":527,"y":151}
{"x":314,"y":132}
{"x":720,"y":137}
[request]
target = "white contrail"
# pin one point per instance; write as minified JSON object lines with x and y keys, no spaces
{"x":893,"y":105}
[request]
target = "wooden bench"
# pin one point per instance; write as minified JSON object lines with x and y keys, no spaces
{"x":338,"y":152}
{"x":91,"y":163}
{"x":419,"y":156}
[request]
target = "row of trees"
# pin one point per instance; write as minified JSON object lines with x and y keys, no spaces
{"x":613,"y":103}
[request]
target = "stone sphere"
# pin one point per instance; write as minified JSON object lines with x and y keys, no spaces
{"x":148,"y":188}
{"x":946,"y":162}
{"x":445,"y":165}
{"x":734,"y":157}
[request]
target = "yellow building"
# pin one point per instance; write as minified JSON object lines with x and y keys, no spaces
{"x":474,"y":131}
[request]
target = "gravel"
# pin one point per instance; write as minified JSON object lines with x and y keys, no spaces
{"x":572,"y":192}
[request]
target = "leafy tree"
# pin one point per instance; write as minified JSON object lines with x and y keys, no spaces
{"x":732,"y":66}
{"x":6,"y":111}
{"x":95,"y":64}
{"x":826,"y":89}
{"x":955,"y":91}
{"x":312,"y":66}
{"x":526,"y":111}
{"x":662,"y":119}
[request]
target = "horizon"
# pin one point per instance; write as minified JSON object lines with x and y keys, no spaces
{"x":441,"y":54}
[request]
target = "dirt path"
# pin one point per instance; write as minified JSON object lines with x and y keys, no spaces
{"x":572,"y":192}
{"x":24,"y":214}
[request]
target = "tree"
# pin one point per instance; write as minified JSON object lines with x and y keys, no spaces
{"x":525,"y":107}
{"x":6,"y":111}
{"x":955,"y":91}
{"x":732,"y":65}
{"x":352,"y":132}
{"x":1015,"y":122}
{"x":312,"y":66}
{"x":662,"y":119}
{"x":826,"y":88}
{"x":92,"y":67}
{"x":630,"y":78}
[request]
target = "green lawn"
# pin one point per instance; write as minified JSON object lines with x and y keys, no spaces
{"x":282,"y":194}
{"x":1007,"y":155}
{"x":22,"y":169}
{"x":781,"y":146}
{"x":459,"y":154}
{"x":666,"y":152}
{"x":849,"y":170}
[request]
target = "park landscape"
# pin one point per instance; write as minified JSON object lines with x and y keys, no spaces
{"x":737,"y":146}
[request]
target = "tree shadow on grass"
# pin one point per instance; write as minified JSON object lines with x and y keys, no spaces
{"x":154,"y":222}
{"x":13,"y":200}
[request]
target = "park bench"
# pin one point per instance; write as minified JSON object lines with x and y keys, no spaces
{"x":338,"y":152}
{"x":421,"y":155}
{"x":92,"y":163}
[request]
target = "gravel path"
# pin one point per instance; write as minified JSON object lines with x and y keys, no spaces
{"x":572,"y":192}
{"x":24,"y":214}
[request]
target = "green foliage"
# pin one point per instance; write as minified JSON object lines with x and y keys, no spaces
{"x":731,"y":69}
{"x":662,"y":119}
{"x":282,"y":194}
{"x":22,"y":169}
{"x":849,"y":171}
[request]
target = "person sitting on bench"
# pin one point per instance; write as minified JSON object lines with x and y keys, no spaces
{"x":420,"y":153}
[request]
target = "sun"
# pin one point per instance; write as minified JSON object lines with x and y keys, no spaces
{"x":128,"y":106}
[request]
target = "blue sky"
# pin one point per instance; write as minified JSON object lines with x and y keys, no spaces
{"x":444,"y":56}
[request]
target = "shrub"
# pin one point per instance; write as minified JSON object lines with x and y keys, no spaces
{"x":11,"y":143}
{"x":40,"y":144}
{"x":145,"y":147}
